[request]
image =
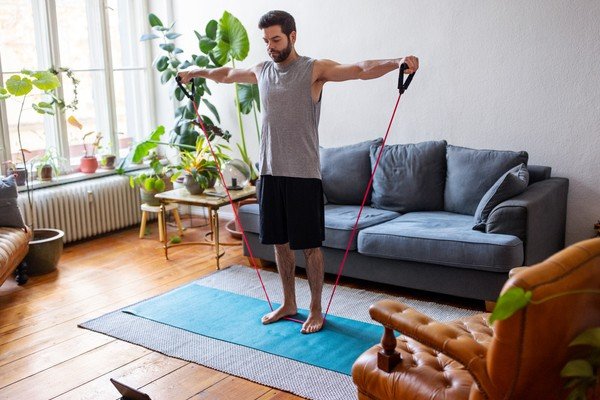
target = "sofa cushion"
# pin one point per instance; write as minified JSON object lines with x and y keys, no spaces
{"x":339,"y":222}
{"x":470,"y":173}
{"x":439,"y":237}
{"x":513,"y":182}
{"x":409,"y":177}
{"x":346,"y":171}
{"x":10,"y":216}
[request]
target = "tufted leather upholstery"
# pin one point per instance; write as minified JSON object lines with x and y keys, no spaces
{"x":519,"y":358}
{"x":14,"y":244}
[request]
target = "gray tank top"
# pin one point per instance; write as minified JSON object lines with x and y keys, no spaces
{"x":290,"y":139}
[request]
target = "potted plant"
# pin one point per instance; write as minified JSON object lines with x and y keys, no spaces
{"x":47,"y":244}
{"x":49,"y":164}
{"x":154,"y":182}
{"x":88,"y":163}
{"x":199,"y":171}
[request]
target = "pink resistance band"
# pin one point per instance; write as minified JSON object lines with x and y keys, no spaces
{"x":402,"y":86}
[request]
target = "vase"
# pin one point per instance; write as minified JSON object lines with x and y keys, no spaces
{"x":88,"y":164}
{"x":44,"y":251}
{"x":192,"y":186}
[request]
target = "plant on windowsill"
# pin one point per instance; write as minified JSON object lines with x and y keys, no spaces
{"x":88,"y":163}
{"x":49,"y":164}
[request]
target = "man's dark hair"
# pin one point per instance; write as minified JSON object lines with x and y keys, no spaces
{"x":277,"y":17}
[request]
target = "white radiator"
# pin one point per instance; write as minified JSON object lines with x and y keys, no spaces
{"x":85,"y":209}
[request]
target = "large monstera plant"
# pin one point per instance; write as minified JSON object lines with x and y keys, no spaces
{"x":224,"y":41}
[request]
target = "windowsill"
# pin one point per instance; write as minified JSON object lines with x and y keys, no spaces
{"x":77,"y":177}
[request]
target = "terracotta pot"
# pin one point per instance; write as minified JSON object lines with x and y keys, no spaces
{"x":88,"y":164}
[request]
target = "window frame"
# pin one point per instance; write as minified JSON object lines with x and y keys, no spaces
{"x":48,"y":54}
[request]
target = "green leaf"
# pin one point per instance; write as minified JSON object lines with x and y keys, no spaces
{"x":198,"y":35}
{"x":45,"y":80}
{"x":177,"y":50}
{"x":4,"y":93}
{"x":158,"y":132}
{"x":17,"y":86}
{"x":179,"y":94}
{"x":577,"y":368}
{"x":167,"y":46}
{"x":201,"y":61}
{"x":589,"y":337}
{"x":232,"y":39}
{"x":207,"y":44}
{"x":161,"y":63}
{"x":154,"y":20}
{"x":172,"y":35}
{"x":166,"y":76}
{"x":510,"y":302}
{"x":175,"y":63}
{"x":248,"y":96}
{"x":211,"y":29}
{"x":148,"y":36}
{"x":212,"y":109}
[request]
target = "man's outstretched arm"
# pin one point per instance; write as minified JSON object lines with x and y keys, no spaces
{"x":331,"y":71}
{"x":222,"y":74}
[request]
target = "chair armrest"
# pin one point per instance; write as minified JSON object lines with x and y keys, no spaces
{"x":450,"y":340}
{"x":537,"y":216}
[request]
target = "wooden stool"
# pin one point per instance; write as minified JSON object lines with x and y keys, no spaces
{"x":156,"y":209}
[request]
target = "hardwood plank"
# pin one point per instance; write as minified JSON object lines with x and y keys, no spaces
{"x":183,"y":383}
{"x":75,"y":372}
{"x":232,"y":388}
{"x":136,"y":374}
{"x":49,"y":357}
{"x":275,"y":394}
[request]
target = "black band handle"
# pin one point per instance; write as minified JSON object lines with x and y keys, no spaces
{"x":402,"y":86}
{"x":184,"y":90}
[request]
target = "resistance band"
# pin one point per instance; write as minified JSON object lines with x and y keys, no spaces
{"x":402,"y":86}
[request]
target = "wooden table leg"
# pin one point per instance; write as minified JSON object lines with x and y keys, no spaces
{"x":216,"y":236}
{"x":164,"y":229}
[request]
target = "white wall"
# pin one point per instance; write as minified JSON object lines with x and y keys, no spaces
{"x":517,"y":75}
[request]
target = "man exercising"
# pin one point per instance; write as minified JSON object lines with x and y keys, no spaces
{"x":291,"y":195}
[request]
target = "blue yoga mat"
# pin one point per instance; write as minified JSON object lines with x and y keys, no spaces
{"x":236,"y":319}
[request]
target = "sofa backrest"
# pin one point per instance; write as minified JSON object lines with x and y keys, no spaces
{"x":538,"y":173}
{"x":409,"y":177}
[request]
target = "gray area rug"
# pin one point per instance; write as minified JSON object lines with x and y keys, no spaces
{"x":267,"y":369}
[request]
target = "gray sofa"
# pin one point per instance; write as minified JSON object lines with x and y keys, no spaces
{"x":439,"y":218}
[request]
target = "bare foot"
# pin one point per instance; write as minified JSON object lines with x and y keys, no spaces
{"x":313,"y":323}
{"x":281,"y":312}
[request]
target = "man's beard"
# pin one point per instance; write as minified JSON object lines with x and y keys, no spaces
{"x":283,"y":54}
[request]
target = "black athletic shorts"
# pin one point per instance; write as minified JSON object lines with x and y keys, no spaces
{"x":291,"y":210}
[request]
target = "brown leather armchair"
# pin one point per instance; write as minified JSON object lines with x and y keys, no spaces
{"x":516,"y":358}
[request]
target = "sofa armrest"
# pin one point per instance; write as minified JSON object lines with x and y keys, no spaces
{"x":537,"y":216}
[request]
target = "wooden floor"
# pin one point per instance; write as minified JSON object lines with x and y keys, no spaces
{"x":44,"y":355}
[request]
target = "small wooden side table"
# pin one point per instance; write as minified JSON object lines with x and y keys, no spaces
{"x":209,"y":199}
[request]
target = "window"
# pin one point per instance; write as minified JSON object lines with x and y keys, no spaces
{"x":99,"y":41}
